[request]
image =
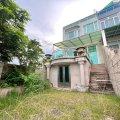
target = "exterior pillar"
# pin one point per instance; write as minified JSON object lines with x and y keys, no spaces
{"x":82,"y":87}
{"x":104,"y":37}
{"x":48,"y":70}
{"x":82,"y":73}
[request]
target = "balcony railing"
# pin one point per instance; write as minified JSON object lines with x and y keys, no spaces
{"x":67,"y":54}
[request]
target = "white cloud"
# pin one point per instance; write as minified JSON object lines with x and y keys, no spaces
{"x":49,"y":17}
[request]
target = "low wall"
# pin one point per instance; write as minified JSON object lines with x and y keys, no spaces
{"x":112,"y":58}
{"x":4,"y":91}
{"x":5,"y":68}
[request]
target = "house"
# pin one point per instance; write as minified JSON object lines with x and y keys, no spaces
{"x":79,"y":63}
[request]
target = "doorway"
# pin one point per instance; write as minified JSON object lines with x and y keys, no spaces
{"x":64,"y":76}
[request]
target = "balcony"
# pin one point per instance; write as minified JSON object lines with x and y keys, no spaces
{"x":66,"y":56}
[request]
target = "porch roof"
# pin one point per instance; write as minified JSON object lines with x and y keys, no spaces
{"x":91,"y":38}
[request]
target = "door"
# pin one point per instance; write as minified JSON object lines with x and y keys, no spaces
{"x":64,"y":79}
{"x":92,"y":51}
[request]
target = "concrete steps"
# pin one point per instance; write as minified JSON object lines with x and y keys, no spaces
{"x":100,"y":82}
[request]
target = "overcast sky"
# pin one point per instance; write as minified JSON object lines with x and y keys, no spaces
{"x":49,"y":16}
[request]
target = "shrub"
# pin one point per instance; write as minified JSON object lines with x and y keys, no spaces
{"x":14,"y":77}
{"x":34,"y":83}
{"x":4,"y":85}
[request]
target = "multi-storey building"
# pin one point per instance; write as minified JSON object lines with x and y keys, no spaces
{"x":87,"y":37}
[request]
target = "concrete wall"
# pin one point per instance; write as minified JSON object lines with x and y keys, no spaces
{"x":87,"y":72}
{"x":54,"y":75}
{"x":81,"y":24}
{"x":5,"y":91}
{"x":75,"y":73}
{"x":113,"y":66}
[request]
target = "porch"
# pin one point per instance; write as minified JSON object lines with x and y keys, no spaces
{"x":67,"y":48}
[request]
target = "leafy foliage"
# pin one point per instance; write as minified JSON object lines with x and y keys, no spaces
{"x":31,"y":55}
{"x":34,"y":83}
{"x":12,"y":23}
{"x":14,"y":77}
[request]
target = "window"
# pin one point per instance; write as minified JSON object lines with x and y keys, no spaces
{"x":116,"y":19}
{"x":109,"y":22}
{"x":96,"y":25}
{"x":102,"y":25}
{"x":92,"y":27}
{"x":72,"y":34}
{"x":106,"y":23}
{"x":92,"y":49}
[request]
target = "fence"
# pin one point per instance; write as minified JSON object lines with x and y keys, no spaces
{"x":112,"y":61}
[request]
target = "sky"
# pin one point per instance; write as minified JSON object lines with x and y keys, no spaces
{"x":48,"y":17}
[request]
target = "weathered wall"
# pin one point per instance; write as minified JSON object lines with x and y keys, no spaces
{"x":5,"y":91}
{"x":74,"y":75}
{"x":54,"y":76}
{"x":113,"y":65}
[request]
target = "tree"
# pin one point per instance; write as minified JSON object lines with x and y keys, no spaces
{"x":12,"y":28}
{"x":31,"y":55}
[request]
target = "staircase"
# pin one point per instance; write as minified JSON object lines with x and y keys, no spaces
{"x":99,"y":80}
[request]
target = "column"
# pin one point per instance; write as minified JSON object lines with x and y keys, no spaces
{"x":104,"y":37}
{"x":82,"y":73}
{"x":48,"y":71}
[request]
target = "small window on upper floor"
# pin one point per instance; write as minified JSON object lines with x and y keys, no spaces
{"x":89,"y":28}
{"x":72,"y":34}
{"x":96,"y":26}
{"x":109,"y":22}
{"x":102,"y":25}
{"x":116,"y":19}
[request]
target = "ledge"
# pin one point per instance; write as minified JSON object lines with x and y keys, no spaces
{"x":64,"y":60}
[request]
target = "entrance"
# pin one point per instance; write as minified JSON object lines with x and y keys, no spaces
{"x":93,"y":54}
{"x":64,"y":78}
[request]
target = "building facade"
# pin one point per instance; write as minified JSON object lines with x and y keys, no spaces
{"x":82,"y":47}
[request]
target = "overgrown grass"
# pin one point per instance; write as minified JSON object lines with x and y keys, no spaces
{"x":59,"y":105}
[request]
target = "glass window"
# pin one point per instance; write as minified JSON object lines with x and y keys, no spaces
{"x":92,"y":49}
{"x":106,"y":23}
{"x":111,"y":22}
{"x":102,"y":25}
{"x":95,"y":26}
{"x":90,"y":27}
{"x":66,"y":36}
{"x":71,"y":34}
{"x":116,"y":19}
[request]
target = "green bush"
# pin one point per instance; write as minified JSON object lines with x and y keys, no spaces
{"x":14,"y":77}
{"x":34,"y":83}
{"x":4,"y":85}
